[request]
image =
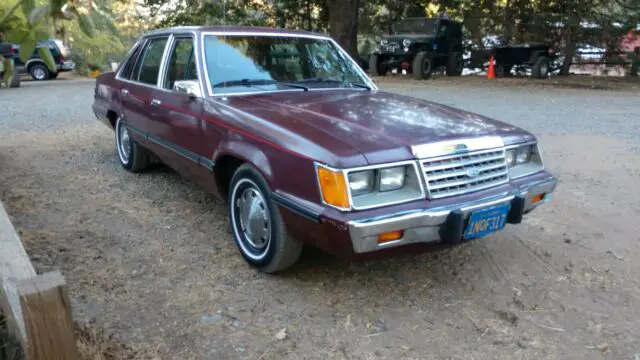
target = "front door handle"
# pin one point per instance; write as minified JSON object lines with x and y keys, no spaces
{"x":125,"y":92}
{"x":156,"y":102}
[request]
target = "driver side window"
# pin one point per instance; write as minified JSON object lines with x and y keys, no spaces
{"x":182,"y":63}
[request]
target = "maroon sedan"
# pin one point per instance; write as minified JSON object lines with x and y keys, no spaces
{"x":288,"y":129}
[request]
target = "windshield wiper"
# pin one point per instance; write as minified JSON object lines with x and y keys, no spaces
{"x":334,"y":81}
{"x":257,"y":82}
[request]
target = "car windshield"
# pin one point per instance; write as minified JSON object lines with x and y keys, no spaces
{"x":261,"y":63}
{"x":416,"y":26}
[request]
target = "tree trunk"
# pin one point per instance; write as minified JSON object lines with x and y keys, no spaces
{"x":507,"y":22}
{"x":343,"y":24}
{"x":571,"y":37}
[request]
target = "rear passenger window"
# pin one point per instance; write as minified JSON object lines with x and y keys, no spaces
{"x":127,"y":69}
{"x":150,"y":61}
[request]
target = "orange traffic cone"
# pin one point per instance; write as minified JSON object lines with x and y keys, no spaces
{"x":491,"y":74}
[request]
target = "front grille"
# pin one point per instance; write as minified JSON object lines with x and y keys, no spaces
{"x":464,"y":173}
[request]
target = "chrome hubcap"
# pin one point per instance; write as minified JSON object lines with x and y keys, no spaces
{"x":124,"y":143}
{"x":255,"y":223}
{"x":38,"y":73}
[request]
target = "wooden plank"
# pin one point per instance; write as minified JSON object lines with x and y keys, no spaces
{"x":47,"y":316}
{"x":14,"y":266}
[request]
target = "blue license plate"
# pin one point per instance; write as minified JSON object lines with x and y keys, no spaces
{"x":486,"y":221}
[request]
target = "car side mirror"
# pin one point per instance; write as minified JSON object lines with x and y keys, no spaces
{"x":190,"y":88}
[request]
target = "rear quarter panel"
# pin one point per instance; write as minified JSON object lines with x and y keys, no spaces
{"x":106,"y":98}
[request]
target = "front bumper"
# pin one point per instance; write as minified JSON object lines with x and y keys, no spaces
{"x":444,"y":224}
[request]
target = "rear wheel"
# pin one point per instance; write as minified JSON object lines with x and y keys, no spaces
{"x":258,"y":228}
{"x":131,"y":155}
{"x":39,"y":72}
{"x":376,"y":67}
{"x":455,"y":64}
{"x":540,"y":68}
{"x":422,"y":66}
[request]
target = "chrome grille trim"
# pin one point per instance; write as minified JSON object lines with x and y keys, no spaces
{"x":448,"y":175}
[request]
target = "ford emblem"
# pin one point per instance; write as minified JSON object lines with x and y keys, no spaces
{"x":472,"y":173}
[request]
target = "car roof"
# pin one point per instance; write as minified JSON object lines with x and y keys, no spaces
{"x":236,"y":30}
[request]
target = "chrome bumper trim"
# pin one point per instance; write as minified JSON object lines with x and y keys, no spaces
{"x":423,"y":226}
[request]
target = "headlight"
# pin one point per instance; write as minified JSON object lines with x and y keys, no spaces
{"x":361,"y":182}
{"x":384,"y":42}
{"x":523,"y":160}
{"x":406,"y":42}
{"x":370,"y":186}
{"x":510,"y":157}
{"x":523,"y":155}
{"x":392,"y":178}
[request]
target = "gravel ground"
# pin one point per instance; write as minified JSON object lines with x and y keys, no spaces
{"x":150,"y":257}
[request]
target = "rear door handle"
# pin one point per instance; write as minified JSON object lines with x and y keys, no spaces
{"x":156,"y":102}
{"x":125,"y":92}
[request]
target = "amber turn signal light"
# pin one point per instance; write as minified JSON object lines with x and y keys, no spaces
{"x":390,"y":236}
{"x":536,"y":199}
{"x":333,"y":187}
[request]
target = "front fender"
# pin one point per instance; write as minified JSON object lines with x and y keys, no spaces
{"x":246,"y":152}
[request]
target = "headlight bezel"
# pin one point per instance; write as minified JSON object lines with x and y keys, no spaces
{"x":413,"y":191}
{"x":406,"y":42}
{"x":533,"y":165}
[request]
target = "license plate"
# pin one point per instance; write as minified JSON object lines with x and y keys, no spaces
{"x":486,"y":221}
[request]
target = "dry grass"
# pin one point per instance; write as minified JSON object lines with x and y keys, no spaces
{"x":91,"y":343}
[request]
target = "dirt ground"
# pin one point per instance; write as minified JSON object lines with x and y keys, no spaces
{"x":150,"y":259}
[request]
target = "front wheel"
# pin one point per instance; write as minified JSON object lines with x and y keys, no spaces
{"x":422,"y":66}
{"x":258,"y":228}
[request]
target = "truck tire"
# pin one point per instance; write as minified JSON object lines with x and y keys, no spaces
{"x":540,"y":68}
{"x":504,"y":70}
{"x":455,"y":64}
{"x":376,"y":68}
{"x":423,"y":65}
{"x":258,"y":229}
{"x":39,"y":72}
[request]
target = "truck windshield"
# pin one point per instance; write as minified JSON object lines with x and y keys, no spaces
{"x":250,"y":63}
{"x":416,"y":26}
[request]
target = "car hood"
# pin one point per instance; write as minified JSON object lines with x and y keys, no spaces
{"x":379,"y":125}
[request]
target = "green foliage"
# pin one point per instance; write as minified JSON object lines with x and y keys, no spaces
{"x":27,"y":46}
{"x":47,"y":57}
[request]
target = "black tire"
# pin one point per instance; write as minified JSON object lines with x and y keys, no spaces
{"x":422,"y":66}
{"x":540,"y":68}
{"x":376,"y":68}
{"x":455,"y":64}
{"x":137,"y":158}
{"x":15,"y":81}
{"x":503,"y":70}
{"x":39,"y":72}
{"x":54,"y":75}
{"x":280,"y":250}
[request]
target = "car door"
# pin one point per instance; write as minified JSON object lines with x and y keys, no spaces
{"x":137,"y":88}
{"x":176,"y":116}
